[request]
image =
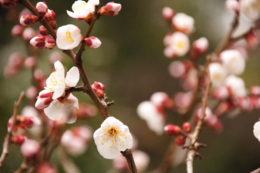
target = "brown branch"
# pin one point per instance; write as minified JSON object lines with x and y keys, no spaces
{"x":9,"y":133}
{"x":130,"y":160}
{"x":23,"y":167}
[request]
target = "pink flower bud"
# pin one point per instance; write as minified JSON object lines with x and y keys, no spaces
{"x":172,"y":129}
{"x":27,"y":121}
{"x":30,"y":62}
{"x":86,"y":111}
{"x":245,"y":104}
{"x":9,"y":3}
{"x":28,"y":34}
{"x":55,"y":56}
{"x":186,"y":127}
{"x":18,"y":139}
{"x":110,"y":9}
{"x":46,"y":168}
{"x":50,"y":17}
{"x":168,"y":13}
{"x":98,"y":88}
{"x":252,"y":39}
{"x":38,"y":41}
{"x":38,"y":74}
{"x":180,"y":140}
{"x":27,"y":19}
{"x":199,"y":47}
{"x":17,"y":31}
{"x":99,"y":85}
{"x":92,"y":42}
{"x":31,"y":92}
{"x":232,"y":5}
{"x":169,"y":52}
{"x":43,"y":100}
{"x":30,"y":149}
{"x":16,"y":60}
{"x":50,"y":43}
{"x":255,"y":90}
{"x":43,"y":30}
{"x":41,"y":8}
{"x":221,"y":93}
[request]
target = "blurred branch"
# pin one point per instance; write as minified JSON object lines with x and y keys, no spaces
{"x":66,"y":163}
{"x":23,"y":167}
{"x":9,"y":133}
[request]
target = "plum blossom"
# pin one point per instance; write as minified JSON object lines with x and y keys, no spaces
{"x":236,"y":86}
{"x":68,"y":37}
{"x":217,"y":74}
{"x":179,"y":44}
{"x":82,"y":10}
{"x":153,"y":117}
{"x":57,"y":82}
{"x":112,"y":137}
{"x":183,"y":23}
{"x":257,"y":130}
{"x":30,"y":111}
{"x":233,"y":61}
{"x":250,"y":9}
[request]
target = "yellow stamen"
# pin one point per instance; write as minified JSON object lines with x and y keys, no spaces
{"x":68,"y":37}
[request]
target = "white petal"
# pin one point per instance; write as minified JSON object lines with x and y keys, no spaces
{"x":59,"y":68}
{"x":59,"y":91}
{"x":126,"y":141}
{"x":257,"y":130}
{"x":112,"y":121}
{"x":104,"y":148}
{"x":72,"y":119}
{"x":75,"y":101}
{"x":71,"y":14}
{"x":56,"y":111}
{"x":72,"y":77}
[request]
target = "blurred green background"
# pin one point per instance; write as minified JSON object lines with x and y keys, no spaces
{"x":131,"y":64}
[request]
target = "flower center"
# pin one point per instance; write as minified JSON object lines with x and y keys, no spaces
{"x":180,"y":44}
{"x":68,"y":37}
{"x":113,"y":135}
{"x":217,"y":77}
{"x":82,"y":4}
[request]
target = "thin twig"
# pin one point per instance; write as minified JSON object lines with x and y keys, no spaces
{"x":66,"y":163}
{"x":9,"y":133}
{"x":23,"y":167}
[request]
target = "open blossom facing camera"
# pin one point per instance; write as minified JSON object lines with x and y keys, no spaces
{"x":217,"y":74}
{"x":112,"y":137}
{"x":236,"y":86}
{"x":68,"y":37}
{"x":82,"y":10}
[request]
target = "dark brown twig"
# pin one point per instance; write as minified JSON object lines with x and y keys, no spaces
{"x":9,"y":133}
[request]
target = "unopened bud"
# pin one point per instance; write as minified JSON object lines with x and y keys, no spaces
{"x":55,"y":56}
{"x":110,"y":9}
{"x":43,"y":30}
{"x":38,"y":74}
{"x":18,"y":139}
{"x":186,"y":127}
{"x":27,"y":121}
{"x":27,"y":19}
{"x":180,"y":140}
{"x":252,"y":39}
{"x":255,"y":90}
{"x":30,"y":62}
{"x":50,"y":17}
{"x":44,"y":100}
{"x":50,"y":43}
{"x":17,"y":31}
{"x":168,"y":13}
{"x":30,"y":148}
{"x":38,"y":41}
{"x":221,"y":93}
{"x":98,"y":88}
{"x":199,"y":47}
{"x":41,"y":8}
{"x":28,"y":34}
{"x":245,"y":104}
{"x":169,"y":52}
{"x":172,"y":129}
{"x":31,"y":92}
{"x":46,"y":168}
{"x":92,"y":42}
{"x":8,"y":3}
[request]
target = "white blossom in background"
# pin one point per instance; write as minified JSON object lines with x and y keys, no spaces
{"x":233,"y":61}
{"x":257,"y":130}
{"x":236,"y":86}
{"x":232,"y":5}
{"x":68,"y":37}
{"x":159,"y":98}
{"x":201,"y":45}
{"x":250,"y":9}
{"x":80,"y":137}
{"x":57,"y":82}
{"x":112,"y":137}
{"x":177,"y":69}
{"x":30,"y":111}
{"x":217,"y":74}
{"x":208,"y":113}
{"x":183,"y":23}
{"x":154,"y":119}
{"x":167,"y":13}
{"x":92,"y":42}
{"x":179,"y":43}
{"x":82,"y":10}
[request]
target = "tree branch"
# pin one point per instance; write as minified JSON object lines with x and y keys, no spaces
{"x":9,"y":133}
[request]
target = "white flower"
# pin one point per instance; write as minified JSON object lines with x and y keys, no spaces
{"x":201,"y":45}
{"x":57,"y":82}
{"x":68,"y":37}
{"x":232,"y":5}
{"x":112,"y":137}
{"x":233,"y":61}
{"x":92,"y":42}
{"x":179,"y":43}
{"x":250,"y":8}
{"x":30,"y":111}
{"x":154,"y":119}
{"x":61,"y":109}
{"x":159,"y":98}
{"x":257,"y":130}
{"x":217,"y":74}
{"x":208,"y":113}
{"x":82,"y":10}
{"x":236,"y":86}
{"x":183,"y":23}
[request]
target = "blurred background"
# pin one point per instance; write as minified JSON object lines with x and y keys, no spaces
{"x":131,"y":64}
